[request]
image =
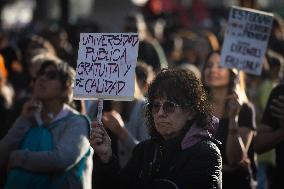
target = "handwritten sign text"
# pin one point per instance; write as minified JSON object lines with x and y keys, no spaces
{"x":106,"y":66}
{"x":246,"y":39}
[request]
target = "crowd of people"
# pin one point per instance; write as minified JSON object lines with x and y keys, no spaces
{"x":192,"y":123}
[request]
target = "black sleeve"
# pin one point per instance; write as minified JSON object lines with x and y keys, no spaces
{"x":132,"y":176}
{"x":267,"y":117}
{"x":105,"y":175}
{"x":203,"y":169}
{"x":111,"y":176}
{"x":247,"y":116}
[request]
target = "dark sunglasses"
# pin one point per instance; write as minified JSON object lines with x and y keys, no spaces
{"x":168,"y":107}
{"x":48,"y":74}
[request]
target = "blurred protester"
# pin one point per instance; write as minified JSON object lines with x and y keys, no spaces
{"x":276,"y":41}
{"x":26,"y":93}
{"x":31,"y":46}
{"x":6,"y":98}
{"x":59,"y":39}
{"x":190,"y":47}
{"x":191,"y":68}
{"x":181,"y":152}
{"x":169,"y":10}
{"x":237,"y":123}
{"x":48,"y":145}
{"x":150,"y":50}
{"x":185,"y":50}
{"x":12,"y":57}
{"x":20,"y":65}
{"x":17,"y":76}
{"x":259,"y":89}
{"x":270,"y":134}
{"x":145,"y":75}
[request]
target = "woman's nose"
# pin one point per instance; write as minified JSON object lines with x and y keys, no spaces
{"x":161,"y":111}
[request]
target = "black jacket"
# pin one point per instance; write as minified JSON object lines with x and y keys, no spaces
{"x":163,"y":164}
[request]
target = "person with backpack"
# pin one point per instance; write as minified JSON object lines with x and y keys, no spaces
{"x":48,"y":145}
{"x":271,"y":132}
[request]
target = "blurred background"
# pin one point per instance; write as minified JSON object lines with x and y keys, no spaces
{"x":173,"y":33}
{"x":109,"y":14}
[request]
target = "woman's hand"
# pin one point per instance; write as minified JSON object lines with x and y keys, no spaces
{"x":29,"y":108}
{"x":17,"y":158}
{"x":246,"y":163}
{"x":233,"y":113}
{"x":101,"y":142}
{"x":233,"y":106}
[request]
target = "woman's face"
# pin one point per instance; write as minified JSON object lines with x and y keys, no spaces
{"x":169,"y":118}
{"x":214,"y":74}
{"x":47,"y":85}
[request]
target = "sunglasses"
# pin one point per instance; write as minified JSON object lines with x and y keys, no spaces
{"x":168,"y":107}
{"x":48,"y":74}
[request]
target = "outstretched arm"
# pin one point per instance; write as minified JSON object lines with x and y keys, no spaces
{"x":241,"y":131}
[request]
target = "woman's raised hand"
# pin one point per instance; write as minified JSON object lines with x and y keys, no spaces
{"x":234,"y":106}
{"x":29,"y":108}
{"x":233,"y":110}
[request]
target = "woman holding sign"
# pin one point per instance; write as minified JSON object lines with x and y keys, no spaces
{"x":237,"y":122}
{"x":181,"y":152}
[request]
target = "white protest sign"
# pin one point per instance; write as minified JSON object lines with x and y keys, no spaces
{"x":246,"y":38}
{"x":106,"y":66}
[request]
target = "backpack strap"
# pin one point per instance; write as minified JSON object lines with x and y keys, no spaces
{"x":82,"y":163}
{"x":79,"y":168}
{"x":56,"y":123}
{"x":89,"y":124}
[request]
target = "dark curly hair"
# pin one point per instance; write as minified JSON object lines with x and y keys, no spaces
{"x":183,"y":88}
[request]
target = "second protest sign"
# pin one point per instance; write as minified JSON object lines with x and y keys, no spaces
{"x":246,"y":38}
